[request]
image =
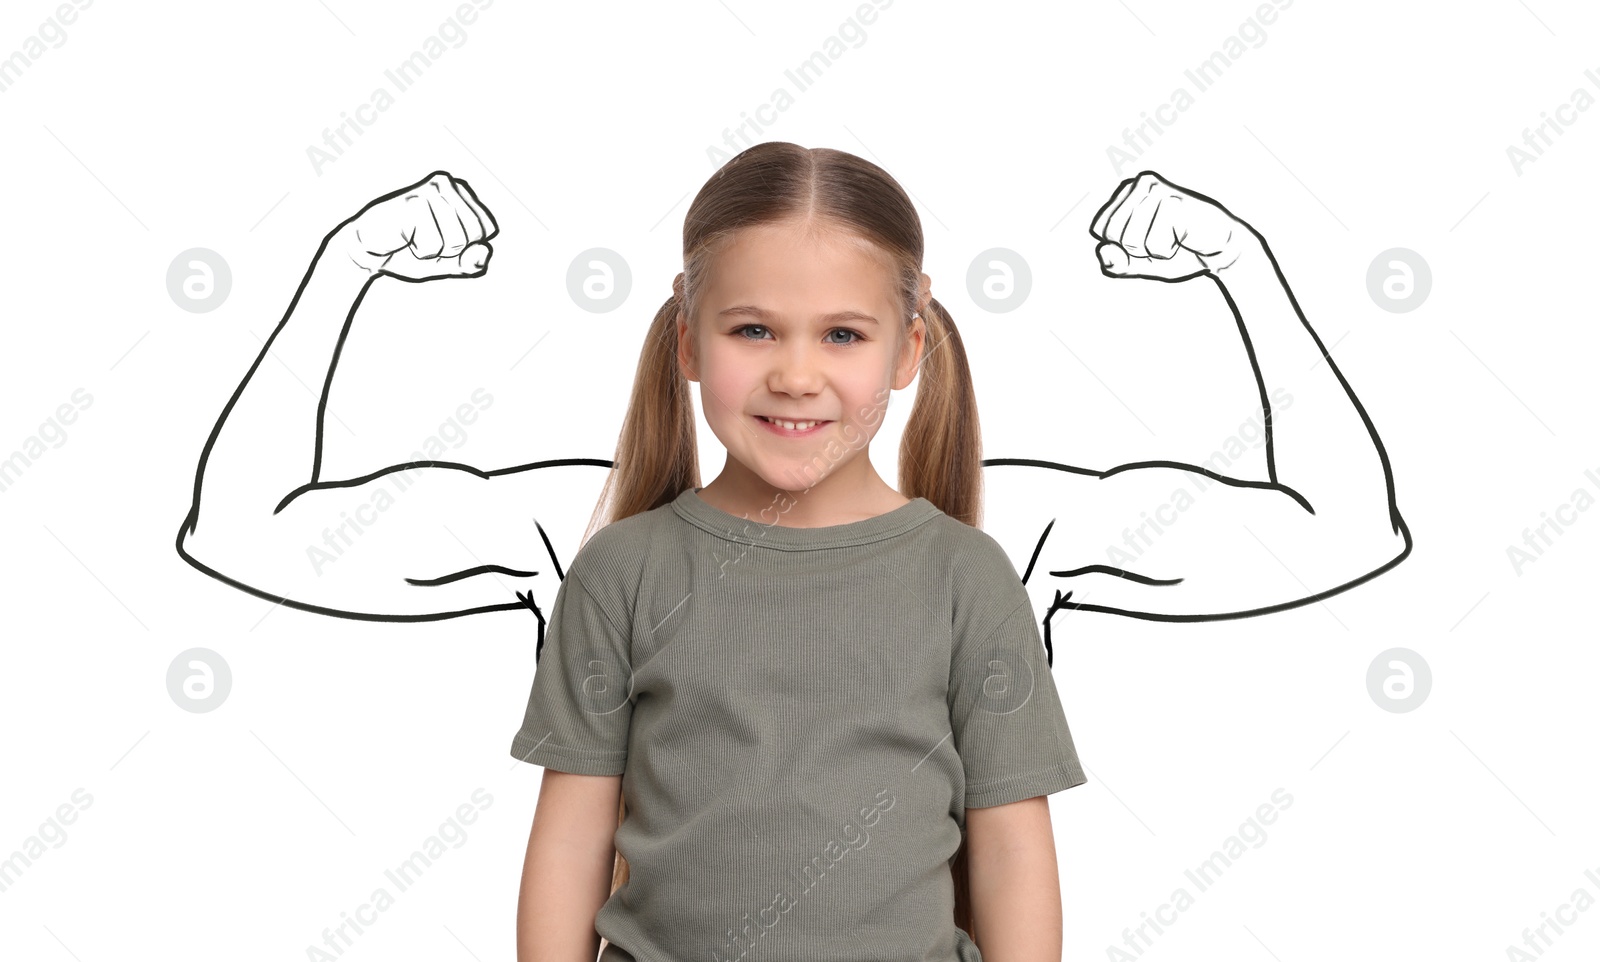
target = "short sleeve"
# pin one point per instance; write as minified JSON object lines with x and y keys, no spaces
{"x":1009,"y":727}
{"x":581,"y":703}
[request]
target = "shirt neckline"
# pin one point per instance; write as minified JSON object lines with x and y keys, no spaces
{"x":762,"y":533}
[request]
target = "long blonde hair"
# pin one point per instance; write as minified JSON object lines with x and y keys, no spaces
{"x":941,"y":452}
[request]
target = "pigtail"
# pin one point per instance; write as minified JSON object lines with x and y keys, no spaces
{"x":656,"y":456}
{"x":941,"y":451}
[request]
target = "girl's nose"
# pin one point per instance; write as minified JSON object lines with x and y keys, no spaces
{"x":797,"y":371}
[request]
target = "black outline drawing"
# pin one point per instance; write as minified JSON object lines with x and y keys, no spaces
{"x":456,"y":250}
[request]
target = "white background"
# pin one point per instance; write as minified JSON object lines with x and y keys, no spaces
{"x":1353,"y":128}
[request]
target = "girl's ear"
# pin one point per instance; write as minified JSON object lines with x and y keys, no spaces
{"x":686,"y":360}
{"x":911,"y":354}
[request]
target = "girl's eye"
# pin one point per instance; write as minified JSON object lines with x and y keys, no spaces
{"x":855,"y":336}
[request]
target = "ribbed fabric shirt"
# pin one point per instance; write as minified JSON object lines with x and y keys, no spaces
{"x":801,"y":718}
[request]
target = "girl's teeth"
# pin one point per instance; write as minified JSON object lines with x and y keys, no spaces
{"x":794,"y":425}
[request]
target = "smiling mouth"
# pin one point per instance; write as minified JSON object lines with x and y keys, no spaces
{"x":800,"y":429}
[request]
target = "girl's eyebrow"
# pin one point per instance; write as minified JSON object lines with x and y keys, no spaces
{"x":837,"y":317}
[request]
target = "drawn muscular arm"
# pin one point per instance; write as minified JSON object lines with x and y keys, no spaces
{"x":421,"y":540}
{"x":1165,"y":540}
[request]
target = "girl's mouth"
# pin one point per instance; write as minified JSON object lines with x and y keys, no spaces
{"x":801,"y":428}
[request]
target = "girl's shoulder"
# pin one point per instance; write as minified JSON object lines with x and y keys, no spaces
{"x":973,"y":545}
{"x":621,"y":547}
{"x":984,"y":564}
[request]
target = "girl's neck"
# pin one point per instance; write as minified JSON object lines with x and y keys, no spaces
{"x":824,"y":505}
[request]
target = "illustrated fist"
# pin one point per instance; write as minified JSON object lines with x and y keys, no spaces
{"x":1155,"y":229}
{"x":434,"y":228}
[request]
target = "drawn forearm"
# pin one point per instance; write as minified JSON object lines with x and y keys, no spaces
{"x":268,"y":439}
{"x":1320,"y":441}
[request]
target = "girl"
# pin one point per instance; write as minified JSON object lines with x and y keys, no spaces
{"x":819,"y":707}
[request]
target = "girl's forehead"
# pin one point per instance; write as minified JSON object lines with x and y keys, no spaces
{"x":767,"y":258}
{"x":803,"y":232}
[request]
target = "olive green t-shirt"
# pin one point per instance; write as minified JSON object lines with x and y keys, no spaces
{"x":801,"y":717}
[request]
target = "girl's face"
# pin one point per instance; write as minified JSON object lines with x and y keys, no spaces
{"x":799,"y":326}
